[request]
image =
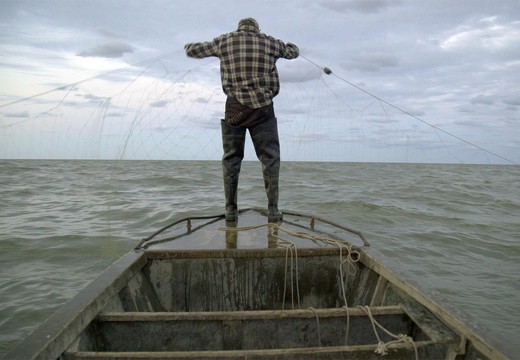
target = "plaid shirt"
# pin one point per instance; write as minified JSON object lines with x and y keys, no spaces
{"x":247,"y":64}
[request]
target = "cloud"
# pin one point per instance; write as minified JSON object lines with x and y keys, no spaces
{"x":163,"y":129}
{"x":21,"y":115}
{"x":362,"y":6}
{"x":94,"y":98}
{"x":469,"y":122}
{"x":206,"y":124}
{"x":13,"y":64}
{"x":372,"y":61}
{"x":297,"y":71}
{"x":116,"y":114}
{"x":108,"y":50}
{"x":108,"y":33}
{"x":512,"y":101}
{"x":310,"y":136}
{"x":450,"y":60}
{"x":201,"y":100}
{"x":63,"y":87}
{"x":160,"y":103}
{"x":488,"y":34}
{"x":382,"y":120}
{"x":483,"y":100}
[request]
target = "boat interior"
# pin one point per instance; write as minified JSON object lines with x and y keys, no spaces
{"x":303,"y":288}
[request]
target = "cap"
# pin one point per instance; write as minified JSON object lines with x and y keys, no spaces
{"x":248,"y":24}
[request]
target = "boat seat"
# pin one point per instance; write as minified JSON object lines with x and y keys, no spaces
{"x":280,"y":334}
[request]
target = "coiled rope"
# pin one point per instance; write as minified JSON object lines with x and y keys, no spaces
{"x":348,"y":255}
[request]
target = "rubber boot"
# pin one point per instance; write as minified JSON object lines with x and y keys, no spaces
{"x":271,"y":189}
{"x":267,"y":147}
{"x":233,"y":141}
{"x":230,"y":193}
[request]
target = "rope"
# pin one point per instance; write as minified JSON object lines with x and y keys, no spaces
{"x":317,"y":325}
{"x":382,"y":347}
{"x":328,"y":71}
{"x":348,"y":255}
{"x":352,"y":256}
{"x":290,"y":251}
{"x":290,"y":248}
{"x":347,"y":326}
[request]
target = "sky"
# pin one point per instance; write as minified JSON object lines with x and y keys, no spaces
{"x":412,"y":81}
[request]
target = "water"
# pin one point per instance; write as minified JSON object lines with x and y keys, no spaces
{"x":455,"y":227}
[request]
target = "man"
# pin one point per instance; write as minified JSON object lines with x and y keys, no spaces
{"x":250,"y":81}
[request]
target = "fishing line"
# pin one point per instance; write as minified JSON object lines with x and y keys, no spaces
{"x":139,"y":116}
{"x":328,"y":71}
{"x":71,"y":86}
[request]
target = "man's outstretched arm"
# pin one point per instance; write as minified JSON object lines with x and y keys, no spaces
{"x":201,"y":50}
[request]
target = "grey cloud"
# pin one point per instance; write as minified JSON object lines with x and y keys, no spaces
{"x":310,"y":136}
{"x":159,"y":104}
{"x":21,"y":114}
{"x":94,"y":97}
{"x":206,"y":123}
{"x":372,"y":61}
{"x":300,"y":110}
{"x":108,"y":50}
{"x":439,"y":57}
{"x":162,"y":129}
{"x":63,"y":87}
{"x":116,"y":114}
{"x":362,"y":6}
{"x":468,"y":122}
{"x":382,"y":120}
{"x":108,"y":33}
{"x":18,"y":66}
{"x":512,"y":101}
{"x":465,"y":110}
{"x":298,"y":72}
{"x":483,"y":99}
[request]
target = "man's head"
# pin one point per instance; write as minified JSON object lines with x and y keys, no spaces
{"x":248,"y":24}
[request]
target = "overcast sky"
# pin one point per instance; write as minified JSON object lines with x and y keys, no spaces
{"x":112,"y":79}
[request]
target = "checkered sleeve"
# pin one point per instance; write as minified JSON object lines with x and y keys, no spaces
{"x":202,"y":49}
{"x":290,"y":51}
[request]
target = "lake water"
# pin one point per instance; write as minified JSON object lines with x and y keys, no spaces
{"x":454,"y":227}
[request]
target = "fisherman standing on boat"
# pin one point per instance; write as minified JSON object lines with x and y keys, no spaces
{"x":250,"y":81}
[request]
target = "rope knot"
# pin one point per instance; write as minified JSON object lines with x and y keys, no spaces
{"x":405,"y":339}
{"x":381,"y":349}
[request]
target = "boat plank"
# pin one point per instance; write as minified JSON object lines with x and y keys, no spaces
{"x":247,"y":315}
{"x":139,"y":295}
{"x":249,"y":330}
{"x":429,"y":324}
{"x":425,"y":350}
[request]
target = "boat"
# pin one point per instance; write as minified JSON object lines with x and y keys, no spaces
{"x":302,"y":288}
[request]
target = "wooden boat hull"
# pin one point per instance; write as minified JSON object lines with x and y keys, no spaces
{"x":289,"y":291}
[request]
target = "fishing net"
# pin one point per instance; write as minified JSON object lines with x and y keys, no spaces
{"x":160,"y":110}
